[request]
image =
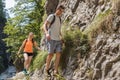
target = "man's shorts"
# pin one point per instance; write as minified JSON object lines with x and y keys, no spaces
{"x":54,"y":46}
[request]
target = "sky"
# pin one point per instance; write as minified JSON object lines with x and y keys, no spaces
{"x":9,"y":3}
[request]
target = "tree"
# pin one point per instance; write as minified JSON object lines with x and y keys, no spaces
{"x":3,"y":55}
{"x":27,"y":18}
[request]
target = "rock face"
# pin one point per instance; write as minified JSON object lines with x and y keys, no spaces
{"x":80,"y":13}
{"x":103,"y":60}
{"x":50,"y":6}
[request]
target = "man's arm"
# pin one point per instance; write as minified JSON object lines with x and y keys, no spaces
{"x":61,"y":37}
{"x":46,"y":31}
{"x":45,"y":27}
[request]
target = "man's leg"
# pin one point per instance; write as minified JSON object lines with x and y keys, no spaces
{"x":51,"y":47}
{"x":48,"y":60}
{"x":58,"y":55}
{"x":57,"y":60}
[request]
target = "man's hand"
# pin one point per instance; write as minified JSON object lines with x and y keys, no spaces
{"x":62,"y":41}
{"x":48,"y":36}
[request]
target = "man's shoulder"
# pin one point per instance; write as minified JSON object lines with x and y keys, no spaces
{"x":51,"y":15}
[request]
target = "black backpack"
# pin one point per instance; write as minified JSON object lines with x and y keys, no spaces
{"x":43,"y":40}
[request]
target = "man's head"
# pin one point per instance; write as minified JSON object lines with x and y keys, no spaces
{"x":60,"y":9}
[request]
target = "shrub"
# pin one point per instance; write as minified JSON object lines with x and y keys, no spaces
{"x":38,"y":60}
{"x":75,"y":42}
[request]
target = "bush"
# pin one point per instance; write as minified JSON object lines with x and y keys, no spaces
{"x":38,"y":61}
{"x":75,"y":43}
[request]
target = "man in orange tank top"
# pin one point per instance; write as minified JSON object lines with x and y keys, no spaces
{"x":27,"y":45}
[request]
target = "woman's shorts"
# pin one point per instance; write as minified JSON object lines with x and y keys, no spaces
{"x":29,"y":54}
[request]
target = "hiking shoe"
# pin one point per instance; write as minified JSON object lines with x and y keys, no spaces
{"x":47,"y":73}
{"x":55,"y":73}
{"x":25,"y":72}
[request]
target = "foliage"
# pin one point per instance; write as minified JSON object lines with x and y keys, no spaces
{"x":38,"y":61}
{"x":75,"y":43}
{"x":2,"y":11}
{"x":27,"y":18}
{"x":75,"y":39}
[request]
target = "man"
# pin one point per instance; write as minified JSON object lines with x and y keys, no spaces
{"x":54,"y":39}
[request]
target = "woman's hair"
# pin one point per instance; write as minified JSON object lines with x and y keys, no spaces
{"x":31,"y":33}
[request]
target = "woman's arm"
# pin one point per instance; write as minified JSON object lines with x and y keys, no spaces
{"x":36,"y":45}
{"x":22,"y":46}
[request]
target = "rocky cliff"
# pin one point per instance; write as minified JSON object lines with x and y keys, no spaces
{"x":100,"y":20}
{"x":102,"y":62}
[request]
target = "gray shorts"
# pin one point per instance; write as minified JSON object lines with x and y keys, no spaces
{"x":54,"y":46}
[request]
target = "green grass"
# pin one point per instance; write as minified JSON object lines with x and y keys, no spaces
{"x":43,"y":2}
{"x":74,"y":39}
{"x":38,"y":61}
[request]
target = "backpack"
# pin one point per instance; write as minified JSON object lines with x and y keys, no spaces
{"x":43,"y":39}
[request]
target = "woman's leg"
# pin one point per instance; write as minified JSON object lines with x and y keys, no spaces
{"x":29,"y":61}
{"x":25,"y":60}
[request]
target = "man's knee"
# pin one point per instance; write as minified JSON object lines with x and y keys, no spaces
{"x":58,"y":54}
{"x":50,"y":55}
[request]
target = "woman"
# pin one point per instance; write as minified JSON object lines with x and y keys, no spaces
{"x":28,"y":51}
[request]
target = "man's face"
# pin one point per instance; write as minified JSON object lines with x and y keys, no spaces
{"x":60,"y":11}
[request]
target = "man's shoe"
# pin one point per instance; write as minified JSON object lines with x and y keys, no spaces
{"x":47,"y":73}
{"x":55,"y":73}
